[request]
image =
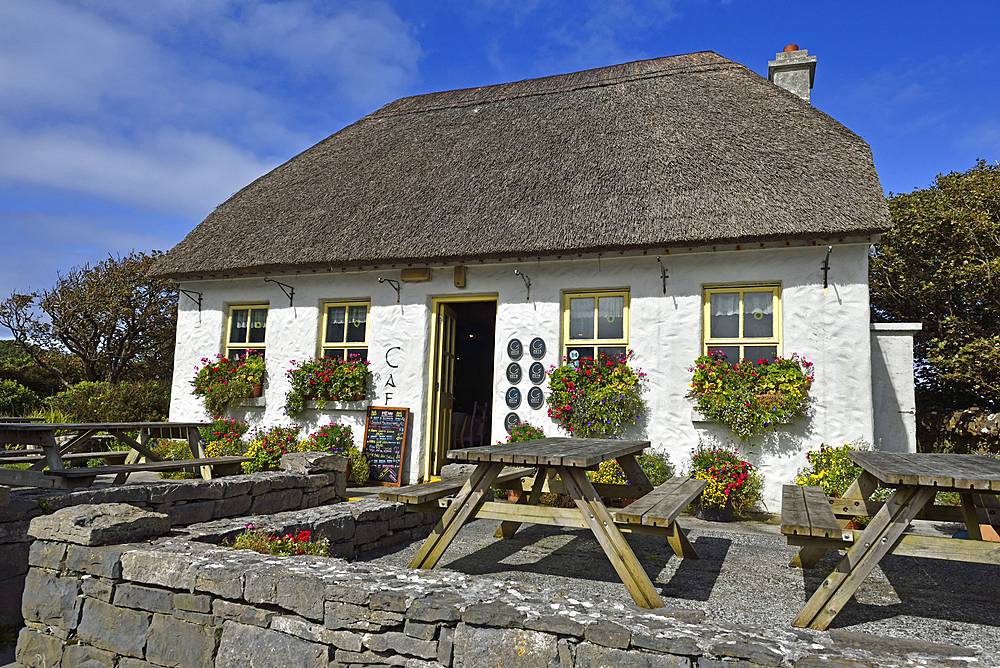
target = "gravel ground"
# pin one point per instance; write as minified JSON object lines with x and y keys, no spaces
{"x":743,"y":577}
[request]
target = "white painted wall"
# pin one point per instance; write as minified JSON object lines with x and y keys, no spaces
{"x":828,"y":327}
{"x":894,"y":404}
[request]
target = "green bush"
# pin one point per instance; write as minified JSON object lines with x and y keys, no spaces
{"x":335,"y":438}
{"x":133,"y":401}
{"x":16,"y":399}
{"x":175,"y":450}
{"x":656,"y":466}
{"x":268,"y":446}
{"x":224,"y":437}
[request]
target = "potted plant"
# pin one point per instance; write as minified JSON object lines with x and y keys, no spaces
{"x":223,"y":381}
{"x":522,"y":432}
{"x":354,"y":375}
{"x":749,"y":397}
{"x":596,"y":398}
{"x":325,"y":379}
{"x":734,"y":485}
{"x":253,"y":370}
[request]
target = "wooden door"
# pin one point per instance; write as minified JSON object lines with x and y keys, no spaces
{"x":444,"y":387}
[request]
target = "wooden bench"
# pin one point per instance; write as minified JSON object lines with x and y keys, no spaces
{"x":413,"y":495}
{"x":808,"y":521}
{"x":32,"y":456}
{"x":661,"y":507}
{"x":220,"y":466}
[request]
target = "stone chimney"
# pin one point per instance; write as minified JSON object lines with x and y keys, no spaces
{"x":794,"y":70}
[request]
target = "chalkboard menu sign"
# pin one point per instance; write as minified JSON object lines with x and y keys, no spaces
{"x":385,"y":441}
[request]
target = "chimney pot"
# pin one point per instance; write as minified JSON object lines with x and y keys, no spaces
{"x":790,"y":48}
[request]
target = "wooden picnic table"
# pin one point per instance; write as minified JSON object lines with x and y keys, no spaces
{"x":655,"y":511}
{"x":916,"y":479}
{"x":41,"y":449}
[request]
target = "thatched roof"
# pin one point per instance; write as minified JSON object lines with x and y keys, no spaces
{"x":679,"y":151}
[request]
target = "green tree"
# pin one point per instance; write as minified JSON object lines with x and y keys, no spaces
{"x":117,"y":322}
{"x":940,"y":265}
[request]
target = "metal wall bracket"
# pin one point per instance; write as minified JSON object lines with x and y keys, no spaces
{"x":395,"y":286}
{"x":663,"y":274}
{"x":826,"y":265}
{"x":287,"y":289}
{"x":527,"y":283}
{"x":190,"y":295}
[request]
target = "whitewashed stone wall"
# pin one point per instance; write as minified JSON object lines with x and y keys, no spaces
{"x":892,"y":386}
{"x":828,"y":327}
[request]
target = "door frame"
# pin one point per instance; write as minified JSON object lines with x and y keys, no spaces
{"x":431,"y":425}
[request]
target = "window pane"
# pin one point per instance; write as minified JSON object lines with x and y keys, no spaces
{"x":575,"y":354}
{"x":237,"y":353}
{"x":334,"y":353}
{"x":581,"y":318}
{"x":258,"y":325}
{"x":612,"y":352}
{"x":731,"y":354}
{"x":610,"y":317}
{"x":358,"y":353}
{"x":357,"y":323}
{"x":756,"y":353}
{"x":238,"y":327}
{"x":725,"y":313}
{"x":336,"y":321}
{"x":758,"y":319}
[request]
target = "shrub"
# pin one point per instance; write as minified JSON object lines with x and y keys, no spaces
{"x":524,"y":432}
{"x":16,"y":399}
{"x":175,"y":450}
{"x":656,"y":466}
{"x":224,"y":381}
{"x":749,"y":397}
{"x":596,"y":397}
{"x":268,"y":446}
{"x":731,"y":479}
{"x":224,"y":437}
{"x":132,"y":401}
{"x":289,"y":544}
{"x":335,"y":438}
{"x":830,"y":468}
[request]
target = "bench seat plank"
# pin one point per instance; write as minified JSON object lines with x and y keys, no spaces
{"x":430,"y":491}
{"x":170,"y":465}
{"x":806,"y":511}
{"x":662,"y":506}
{"x":75,"y":456}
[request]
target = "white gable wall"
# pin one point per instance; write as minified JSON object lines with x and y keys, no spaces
{"x":829,"y":328}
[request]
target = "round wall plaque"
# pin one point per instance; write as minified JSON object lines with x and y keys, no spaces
{"x":537,"y":348}
{"x":511,"y":421}
{"x":513,"y":397}
{"x":535,"y":397}
{"x":515,"y":349}
{"x":536,"y":372}
{"x":513,"y":373}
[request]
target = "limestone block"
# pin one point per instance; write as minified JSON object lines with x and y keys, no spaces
{"x":79,"y":656}
{"x":243,"y":614}
{"x":4,"y":495}
{"x":346,"y":593}
{"x":393,"y":601}
{"x":179,"y":644}
{"x":13,"y":559}
{"x":224,"y":574}
{"x":134,"y":663}
{"x":357,"y":618}
{"x":296,"y":626}
{"x":589,"y":655}
{"x":419,"y":630}
{"x":157,"y":567}
{"x":133,"y":495}
{"x":495,"y":614}
{"x":244,"y":646}
{"x":37,"y":650}
{"x":103,"y":524}
{"x":51,"y":599}
{"x":193,"y":602}
{"x":483,"y":646}
{"x":608,"y":634}
{"x":97,"y":588}
{"x":558,"y":624}
{"x":400,"y":643}
{"x":117,"y":630}
{"x":46,"y":555}
{"x":100,"y":561}
{"x":15,"y":532}
{"x":231,"y":506}
{"x":276,"y":502}
{"x":313,"y":462}
{"x":435,"y":608}
{"x":446,"y":644}
{"x":680,"y":645}
{"x":236,"y":485}
{"x":11,"y":590}
{"x":276,"y":585}
{"x":23,"y":505}
{"x":143,"y":598}
{"x":369,"y":532}
{"x":190,"y":513}
{"x":188,"y":490}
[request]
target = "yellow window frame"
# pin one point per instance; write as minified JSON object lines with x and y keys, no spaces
{"x":345,"y":345}
{"x":742,"y":341}
{"x":247,"y":345}
{"x":568,"y":343}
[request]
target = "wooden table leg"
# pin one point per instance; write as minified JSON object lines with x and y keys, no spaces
{"x":633,"y":472}
{"x":197,"y":447}
{"x":600,"y":522}
{"x":970,"y":515}
{"x":680,"y":544}
{"x":468,"y":500}
{"x":876,"y":541}
{"x":508,"y":527}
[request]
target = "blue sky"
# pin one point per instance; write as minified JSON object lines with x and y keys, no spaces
{"x":124,"y":123}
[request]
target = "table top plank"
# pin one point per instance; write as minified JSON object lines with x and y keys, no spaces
{"x":575,"y":452}
{"x":100,"y":426}
{"x":931,"y":469}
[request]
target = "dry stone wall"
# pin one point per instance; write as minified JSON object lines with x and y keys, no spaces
{"x":183,"y":601}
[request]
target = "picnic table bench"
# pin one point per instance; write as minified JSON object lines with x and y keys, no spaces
{"x":558,"y":465}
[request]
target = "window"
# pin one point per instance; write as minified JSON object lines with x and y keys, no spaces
{"x":743,"y":322}
{"x":595,"y":323}
{"x":345,"y":329}
{"x":247,"y":331}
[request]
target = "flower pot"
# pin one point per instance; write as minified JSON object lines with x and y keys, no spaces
{"x":358,"y":397}
{"x":715,"y":514}
{"x":627,"y":502}
{"x":257,"y":390}
{"x":514,"y":495}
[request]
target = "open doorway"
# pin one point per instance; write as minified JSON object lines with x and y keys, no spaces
{"x":462,"y":377}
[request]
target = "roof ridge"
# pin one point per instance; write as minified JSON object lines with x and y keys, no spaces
{"x":611,"y":79}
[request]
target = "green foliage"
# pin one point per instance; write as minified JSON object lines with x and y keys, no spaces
{"x":656,"y":466}
{"x":16,"y":399}
{"x":335,"y":438}
{"x":940,"y":265}
{"x":130,"y":401}
{"x":268,"y":446}
{"x":359,"y":465}
{"x":325,"y":379}
{"x":524,"y":432}
{"x":600,"y":397}
{"x":291,"y":543}
{"x":830,"y":468}
{"x":222,"y":382}
{"x":115,"y":320}
{"x":175,"y":450}
{"x":731,"y":479}
{"x":749,"y":397}
{"x":223,"y":438}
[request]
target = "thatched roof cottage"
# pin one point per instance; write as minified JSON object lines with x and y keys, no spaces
{"x":653,"y":184}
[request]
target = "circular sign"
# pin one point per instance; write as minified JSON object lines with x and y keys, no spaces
{"x":537,"y":348}
{"x":574,"y":355}
{"x":513,"y":397}
{"x":513,"y":373}
{"x":515,"y":349}
{"x":536,"y":372}
{"x":511,"y":421}
{"x":535,"y":397}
